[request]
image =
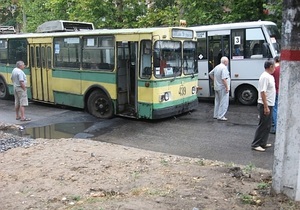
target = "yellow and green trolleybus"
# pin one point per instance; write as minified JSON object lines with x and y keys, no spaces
{"x":148,"y":73}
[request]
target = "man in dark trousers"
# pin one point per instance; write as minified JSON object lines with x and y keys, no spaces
{"x":265,"y":103}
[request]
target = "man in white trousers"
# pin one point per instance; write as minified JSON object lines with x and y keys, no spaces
{"x":221,"y":78}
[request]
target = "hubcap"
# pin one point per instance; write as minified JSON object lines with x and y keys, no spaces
{"x":101,"y":106}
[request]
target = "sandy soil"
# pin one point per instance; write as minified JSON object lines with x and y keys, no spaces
{"x":83,"y":174}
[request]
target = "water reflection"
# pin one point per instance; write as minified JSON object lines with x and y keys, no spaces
{"x":59,"y":130}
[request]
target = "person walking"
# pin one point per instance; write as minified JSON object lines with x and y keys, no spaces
{"x":265,"y":103}
{"x":276,"y":75}
{"x":221,"y":78}
{"x":18,"y":77}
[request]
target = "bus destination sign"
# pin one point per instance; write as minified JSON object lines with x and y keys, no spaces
{"x":180,"y":33}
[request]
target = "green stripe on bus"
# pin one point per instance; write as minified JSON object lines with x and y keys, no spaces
{"x":145,"y":110}
{"x":68,"y":99}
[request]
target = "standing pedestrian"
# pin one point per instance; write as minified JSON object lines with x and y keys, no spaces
{"x":221,"y":78}
{"x":276,"y":78}
{"x":265,"y":103}
{"x":18,"y":77}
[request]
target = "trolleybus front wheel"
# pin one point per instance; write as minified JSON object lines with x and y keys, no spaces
{"x":100,"y":105}
{"x":3,"y":89}
{"x":247,"y":95}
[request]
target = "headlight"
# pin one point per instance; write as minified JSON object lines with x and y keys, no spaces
{"x":166,"y":96}
{"x":193,"y":90}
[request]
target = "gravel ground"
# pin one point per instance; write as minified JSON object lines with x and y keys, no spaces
{"x":10,"y":137}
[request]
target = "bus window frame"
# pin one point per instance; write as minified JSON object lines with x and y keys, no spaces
{"x":145,"y":59}
{"x":102,"y":49}
{"x":12,"y":51}
{"x":65,"y":41}
{"x":3,"y":51}
{"x":160,"y":59}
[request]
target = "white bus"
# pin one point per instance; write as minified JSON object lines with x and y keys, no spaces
{"x":247,"y":45}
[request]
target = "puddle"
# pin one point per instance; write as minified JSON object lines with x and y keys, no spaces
{"x":59,"y":130}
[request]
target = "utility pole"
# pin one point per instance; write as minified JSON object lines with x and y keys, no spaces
{"x":24,"y":29}
{"x":24,"y":18}
{"x":286,"y":169}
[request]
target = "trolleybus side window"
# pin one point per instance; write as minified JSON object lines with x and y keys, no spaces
{"x":67,"y":52}
{"x":49,"y":54}
{"x":256,"y":44}
{"x":98,"y":53}
{"x":189,"y":53}
{"x":38,"y":56}
{"x":3,"y":51}
{"x":146,"y":50}
{"x":31,"y":58}
{"x":17,"y":50}
{"x":275,"y":37}
{"x":238,"y":40}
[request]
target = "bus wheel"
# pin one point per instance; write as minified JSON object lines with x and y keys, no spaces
{"x":3,"y":89}
{"x":99,"y":105}
{"x":247,"y":95}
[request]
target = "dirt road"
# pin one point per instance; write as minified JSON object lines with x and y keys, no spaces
{"x":84,"y":174}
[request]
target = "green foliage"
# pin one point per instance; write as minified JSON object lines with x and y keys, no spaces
{"x":263,"y":186}
{"x":247,"y":199}
{"x":203,"y":12}
{"x":249,"y":168}
{"x":275,"y":10}
{"x":139,"y":13}
{"x":250,"y":10}
{"x":8,"y":13}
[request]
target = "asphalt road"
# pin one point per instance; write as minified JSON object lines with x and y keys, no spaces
{"x":194,"y":134}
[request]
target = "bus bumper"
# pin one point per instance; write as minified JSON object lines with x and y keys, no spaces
{"x":174,"y":110}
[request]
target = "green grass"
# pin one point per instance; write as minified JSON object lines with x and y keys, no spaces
{"x":249,"y":168}
{"x":263,"y":186}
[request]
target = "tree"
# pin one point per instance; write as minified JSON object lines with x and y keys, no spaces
{"x":8,"y":13}
{"x":141,"y":13}
{"x":274,"y":10}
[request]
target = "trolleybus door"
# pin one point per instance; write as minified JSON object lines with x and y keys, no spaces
{"x":217,"y":46}
{"x":40,"y":64}
{"x":127,"y":78}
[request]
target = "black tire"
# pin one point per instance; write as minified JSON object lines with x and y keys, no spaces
{"x":4,"y":94}
{"x":100,"y":105}
{"x":247,"y":95}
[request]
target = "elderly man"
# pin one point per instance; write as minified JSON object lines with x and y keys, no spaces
{"x":221,"y":78}
{"x":18,"y":78}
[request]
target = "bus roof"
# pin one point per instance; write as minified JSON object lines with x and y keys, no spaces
{"x":231,"y":25}
{"x":64,"y":25}
{"x":92,"y":32}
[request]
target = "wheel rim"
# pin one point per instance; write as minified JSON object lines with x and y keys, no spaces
{"x":2,"y":90}
{"x":102,"y":106}
{"x":247,"y":96}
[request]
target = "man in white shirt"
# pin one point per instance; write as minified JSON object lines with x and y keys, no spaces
{"x":220,"y":76}
{"x":18,"y":77}
{"x":265,"y":103}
